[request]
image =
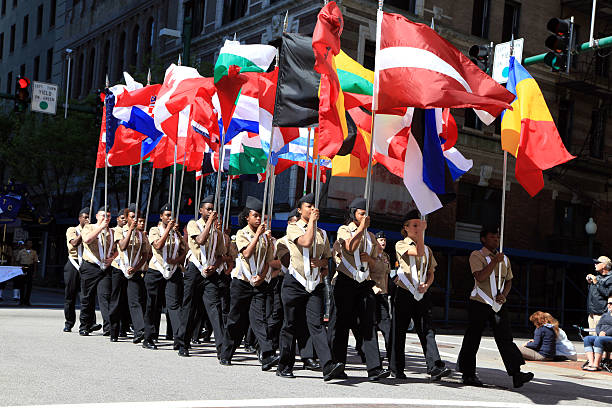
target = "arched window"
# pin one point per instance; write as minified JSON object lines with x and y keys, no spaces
{"x":89,"y":71}
{"x":135,"y":46}
{"x":105,"y":64}
{"x":149,"y":38}
{"x":78,"y":76}
{"x":119,"y":57}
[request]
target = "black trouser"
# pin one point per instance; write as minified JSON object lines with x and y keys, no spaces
{"x":274,"y":310}
{"x":383,"y":323}
{"x":91,"y":276}
{"x":200,"y":318}
{"x":71,"y":292}
{"x":406,"y":307}
{"x":478,"y":315}
{"x":247,"y":304}
{"x":159,"y":288}
{"x":26,"y":284}
{"x":224,"y":292}
{"x":105,"y":289}
{"x":118,"y":285}
{"x":207,"y":289}
{"x":354,"y":300}
{"x":124,"y":311}
{"x":302,"y":310}
{"x":137,"y":301}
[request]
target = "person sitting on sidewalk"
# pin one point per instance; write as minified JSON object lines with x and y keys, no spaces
{"x":543,"y":345}
{"x":594,"y":346}
{"x":565,"y":349}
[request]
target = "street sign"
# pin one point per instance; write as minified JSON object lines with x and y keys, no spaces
{"x":501,"y":61}
{"x":44,"y":97}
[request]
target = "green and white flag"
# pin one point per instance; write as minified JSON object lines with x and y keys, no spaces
{"x":247,"y":57}
{"x":247,"y":155}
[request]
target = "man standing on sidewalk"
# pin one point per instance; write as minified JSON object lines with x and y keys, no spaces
{"x":28,"y":260}
{"x":600,"y":288}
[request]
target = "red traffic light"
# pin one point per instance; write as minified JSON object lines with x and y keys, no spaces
{"x":559,"y":26}
{"x":23,"y":82}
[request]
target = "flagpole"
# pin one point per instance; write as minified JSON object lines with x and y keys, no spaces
{"x":137,"y":206}
{"x":196,"y":203}
{"x":93,"y":190}
{"x":105,"y":178}
{"x":129,"y":200}
{"x":367,"y":192}
{"x":317,"y":201}
{"x":149,"y":198}
{"x":173,"y":189}
{"x":307,"y":159}
{"x":178,"y":200}
{"x":226,"y":206}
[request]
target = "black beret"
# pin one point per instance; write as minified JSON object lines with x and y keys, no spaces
{"x":102,"y":209}
{"x":380,"y":234}
{"x":209,"y":199}
{"x":308,"y":198}
{"x":293,"y":213}
{"x":164,"y":208}
{"x":358,"y":203}
{"x":84,"y":210}
{"x":254,"y":204}
{"x":132,"y":207}
{"x":412,"y":215}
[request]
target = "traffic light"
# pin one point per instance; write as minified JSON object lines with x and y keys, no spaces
{"x":22,"y":94}
{"x":561,"y":44}
{"x":481,"y":56}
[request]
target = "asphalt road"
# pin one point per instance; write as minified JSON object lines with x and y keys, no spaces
{"x":40,"y":365}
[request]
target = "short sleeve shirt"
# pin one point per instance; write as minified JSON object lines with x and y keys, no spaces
{"x":381,"y":275}
{"x":478,"y":261}
{"x":93,"y":252}
{"x":118,"y":236}
{"x":135,"y":246}
{"x":345,"y":233}
{"x":295,"y":231}
{"x":264,"y":248}
{"x":173,"y":244}
{"x":195,"y":228}
{"x":282,"y":250}
{"x":26,"y":257}
{"x":71,"y":234}
{"x":401,"y":251}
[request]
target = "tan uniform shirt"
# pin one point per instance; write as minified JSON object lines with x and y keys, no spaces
{"x":74,"y":233}
{"x":26,"y":257}
{"x":135,"y":250}
{"x":323,"y":250}
{"x":214,"y":242}
{"x":282,"y":250}
{"x":173,"y":248}
{"x":423,"y":266}
{"x":118,"y":236}
{"x":345,"y":233}
{"x":264,"y":248}
{"x":381,"y":275}
{"x":478,"y":262}
{"x":99,"y":248}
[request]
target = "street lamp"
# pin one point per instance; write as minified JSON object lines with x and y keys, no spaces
{"x":591,"y":229}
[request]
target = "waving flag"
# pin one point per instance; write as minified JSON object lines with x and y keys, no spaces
{"x":528,"y":131}
{"x":235,"y":57}
{"x":417,"y":67}
{"x":247,"y":155}
{"x":357,"y":82}
{"x":326,"y":45}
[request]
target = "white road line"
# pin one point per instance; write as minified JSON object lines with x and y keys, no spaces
{"x":302,"y":402}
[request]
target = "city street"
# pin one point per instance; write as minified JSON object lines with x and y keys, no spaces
{"x":42,"y":365}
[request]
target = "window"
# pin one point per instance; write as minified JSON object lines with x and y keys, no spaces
{"x":12,"y":41}
{"x":9,"y":83}
{"x":602,"y":64}
{"x":26,"y":21}
{"x":368,"y":54}
{"x":471,"y":120}
{"x":134,"y":47}
{"x":52,"y":8}
{"x":510,"y":25}
{"x":598,"y":131}
{"x":233,"y":10}
{"x":570,"y":219}
{"x":480,"y":18}
{"x":565,"y":123}
{"x":36,"y":67}
{"x":22,"y":70}
{"x":3,"y":7}
{"x":49,"y":64}
{"x":408,"y":5}
{"x":14,"y":3}
{"x":119,"y":57}
{"x":39,"y":20}
{"x":478,"y":205}
{"x":1,"y":45}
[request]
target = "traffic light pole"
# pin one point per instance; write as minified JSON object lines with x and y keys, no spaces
{"x":605,"y":42}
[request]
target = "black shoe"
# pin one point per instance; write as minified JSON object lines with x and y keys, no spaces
{"x":176,"y":346}
{"x":67,"y":329}
{"x":341,"y":376}
{"x":248,"y":349}
{"x":183,"y":352}
{"x":169,"y":337}
{"x":521,"y":378}
{"x":472,"y":380}
{"x":95,"y":327}
{"x":195,"y":341}
{"x":83,"y":333}
{"x":225,"y":362}
{"x":138,"y":338}
{"x":311,"y":364}
{"x":123,"y":334}
{"x":399,"y":375}
{"x":106,"y":333}
{"x":439,"y":372}
{"x":378,"y":373}
{"x":206,"y":336}
{"x":333,"y":371}
{"x":285,"y":372}
{"x":148,"y":344}
{"x":114,"y":339}
{"x":269,"y":362}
